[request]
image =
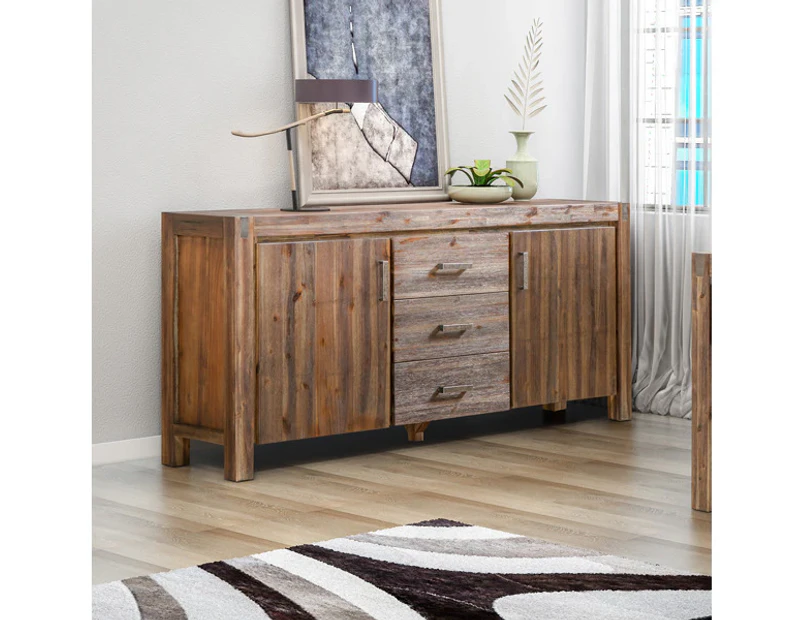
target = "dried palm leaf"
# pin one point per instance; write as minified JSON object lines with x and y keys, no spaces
{"x":526,"y":84}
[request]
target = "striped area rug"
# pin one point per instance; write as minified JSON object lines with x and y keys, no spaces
{"x":436,"y":569}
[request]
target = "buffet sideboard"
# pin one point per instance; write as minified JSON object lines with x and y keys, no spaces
{"x":281,"y":326}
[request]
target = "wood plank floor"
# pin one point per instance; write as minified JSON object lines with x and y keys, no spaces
{"x":622,"y":488}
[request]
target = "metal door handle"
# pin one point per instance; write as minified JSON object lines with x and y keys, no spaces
{"x":454,"y":266}
{"x":455,"y":327}
{"x":384,"y":280}
{"x":525,"y":270}
{"x":454,"y":389}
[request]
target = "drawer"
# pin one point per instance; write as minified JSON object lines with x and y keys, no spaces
{"x":451,"y":387}
{"x":440,"y":265}
{"x":436,"y":327}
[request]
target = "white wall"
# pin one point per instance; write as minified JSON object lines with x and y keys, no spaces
{"x":173,"y":77}
{"x":483,"y":41}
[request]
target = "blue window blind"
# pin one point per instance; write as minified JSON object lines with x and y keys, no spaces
{"x":693,"y":158}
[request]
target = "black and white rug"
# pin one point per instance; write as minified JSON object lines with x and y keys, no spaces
{"x":434,"y":569}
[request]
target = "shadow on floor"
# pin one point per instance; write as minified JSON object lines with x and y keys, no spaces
{"x":310,"y":450}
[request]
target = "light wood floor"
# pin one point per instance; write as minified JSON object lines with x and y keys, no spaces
{"x":621,"y":488}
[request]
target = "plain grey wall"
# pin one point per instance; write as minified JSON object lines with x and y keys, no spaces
{"x":173,"y":77}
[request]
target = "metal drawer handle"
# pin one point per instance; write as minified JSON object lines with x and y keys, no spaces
{"x":525,"y":270}
{"x":454,"y":389}
{"x":454,"y":266}
{"x":455,"y":327}
{"x":384,"y":280}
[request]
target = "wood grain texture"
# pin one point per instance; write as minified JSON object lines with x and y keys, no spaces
{"x":588,"y":300}
{"x":286,"y":341}
{"x":202,"y":332}
{"x":701,"y":409}
{"x":213,"y":385}
{"x":535,"y":320}
{"x":563,"y":325}
{"x":416,"y":259}
{"x":415,"y":432}
{"x":239,"y":431}
{"x":207,"y":339}
{"x":175,"y":450}
{"x":416,"y":333}
{"x":196,"y":432}
{"x":416,"y":384}
{"x":433,"y":216}
{"x":620,"y":405}
{"x":324,"y":339}
{"x":198,"y":226}
{"x":621,"y":489}
{"x":561,"y":406}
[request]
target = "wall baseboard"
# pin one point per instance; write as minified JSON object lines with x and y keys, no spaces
{"x":127,"y":450}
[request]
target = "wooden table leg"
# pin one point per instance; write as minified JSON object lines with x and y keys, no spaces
{"x":701,"y":383}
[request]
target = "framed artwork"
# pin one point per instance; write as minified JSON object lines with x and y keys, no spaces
{"x":392,"y":151}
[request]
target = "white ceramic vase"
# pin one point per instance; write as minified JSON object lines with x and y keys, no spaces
{"x":523,"y":166}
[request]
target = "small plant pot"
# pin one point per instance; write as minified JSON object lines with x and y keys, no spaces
{"x":482,"y":195}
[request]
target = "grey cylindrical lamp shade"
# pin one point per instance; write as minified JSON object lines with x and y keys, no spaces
{"x":332,"y":91}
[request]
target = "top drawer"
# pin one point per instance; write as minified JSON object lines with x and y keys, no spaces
{"x":435,"y":265}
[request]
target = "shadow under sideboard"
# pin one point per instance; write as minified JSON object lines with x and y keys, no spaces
{"x":289,"y":453}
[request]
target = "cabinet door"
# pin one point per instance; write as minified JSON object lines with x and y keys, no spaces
{"x":563,"y":315}
{"x":323,"y":317}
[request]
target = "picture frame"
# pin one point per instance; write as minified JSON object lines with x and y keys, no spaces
{"x":313,"y":191}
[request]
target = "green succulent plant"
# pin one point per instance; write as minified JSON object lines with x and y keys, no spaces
{"x":481,"y":174}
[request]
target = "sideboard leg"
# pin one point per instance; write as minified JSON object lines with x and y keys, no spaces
{"x":238,"y":461}
{"x":238,"y":443}
{"x":415,"y":432}
{"x":238,"y":431}
{"x":175,"y":450}
{"x":618,"y":410}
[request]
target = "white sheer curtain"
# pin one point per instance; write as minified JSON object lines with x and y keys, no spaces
{"x":606,"y":131}
{"x":663,"y":164}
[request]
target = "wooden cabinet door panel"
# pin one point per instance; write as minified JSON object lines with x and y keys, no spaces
{"x":563,"y":324}
{"x":534,"y":319}
{"x":324,"y":338}
{"x":587,"y":293}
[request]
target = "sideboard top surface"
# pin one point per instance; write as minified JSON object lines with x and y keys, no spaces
{"x":366,"y":219}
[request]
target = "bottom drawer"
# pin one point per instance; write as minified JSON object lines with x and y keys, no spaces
{"x":451,"y":387}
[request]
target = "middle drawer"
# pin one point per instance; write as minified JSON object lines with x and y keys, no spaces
{"x":437,"y":327}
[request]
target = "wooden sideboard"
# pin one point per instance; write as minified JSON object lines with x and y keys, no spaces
{"x":279,"y":326}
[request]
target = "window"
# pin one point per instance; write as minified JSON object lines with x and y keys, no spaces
{"x":674,"y":103}
{"x":694,"y":108}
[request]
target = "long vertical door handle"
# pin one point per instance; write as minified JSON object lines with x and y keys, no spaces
{"x":525,"y":270}
{"x":384,"y":280}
